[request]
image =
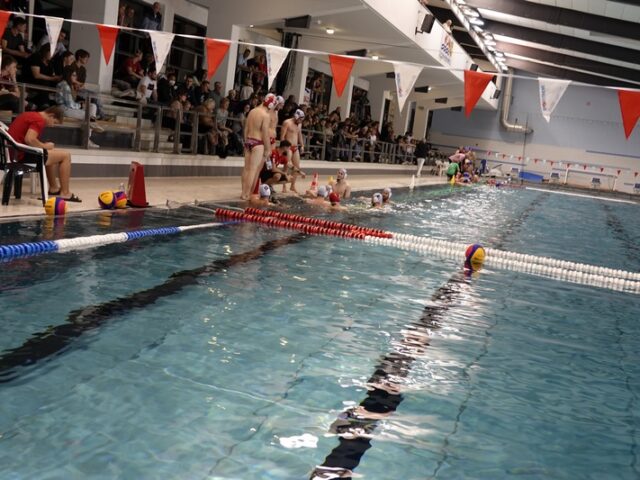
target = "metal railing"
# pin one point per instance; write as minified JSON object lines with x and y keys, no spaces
{"x":186,"y":135}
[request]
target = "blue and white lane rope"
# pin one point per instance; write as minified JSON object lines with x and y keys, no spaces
{"x":580,"y":273}
{"x":9,"y":252}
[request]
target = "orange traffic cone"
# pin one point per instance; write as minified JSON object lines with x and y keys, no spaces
{"x":314,"y":182}
{"x":137,"y":195}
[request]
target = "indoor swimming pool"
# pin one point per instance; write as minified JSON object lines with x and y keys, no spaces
{"x":248,"y":352}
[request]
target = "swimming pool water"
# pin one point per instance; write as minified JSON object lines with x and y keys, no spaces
{"x":189,"y":359}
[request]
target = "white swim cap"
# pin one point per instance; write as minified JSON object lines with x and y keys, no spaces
{"x":322,"y":192}
{"x":280,"y":101}
{"x":265,"y":191}
{"x":376,"y":199}
{"x":343,"y":171}
{"x":329,"y":189}
{"x":298,"y":115}
{"x":387,"y":190}
{"x":270,"y":101}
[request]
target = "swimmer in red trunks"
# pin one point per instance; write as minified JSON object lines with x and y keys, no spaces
{"x":256,"y":137}
{"x":292,"y":131}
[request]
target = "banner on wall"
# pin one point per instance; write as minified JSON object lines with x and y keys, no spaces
{"x":406,"y":76}
{"x":341,"y":68}
{"x":216,"y":51}
{"x":108,"y":35}
{"x":474,"y":85}
{"x":551,"y":91}
{"x":630,"y":108}
{"x":446,"y":47}
{"x":54,"y":25}
{"x":161,"y":43}
{"x":4,"y":19}
{"x":275,"y":58}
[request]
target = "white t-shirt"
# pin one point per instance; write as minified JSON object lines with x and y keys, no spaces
{"x":149,"y":84}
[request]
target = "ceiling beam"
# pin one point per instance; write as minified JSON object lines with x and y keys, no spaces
{"x":570,"y":61}
{"x":561,"y":73}
{"x":565,"y":42}
{"x":561,"y":16}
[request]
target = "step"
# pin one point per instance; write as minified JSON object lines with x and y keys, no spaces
{"x":132,"y":121}
{"x":148,"y":145}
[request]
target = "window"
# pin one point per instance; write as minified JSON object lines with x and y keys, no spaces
{"x":187,"y":54}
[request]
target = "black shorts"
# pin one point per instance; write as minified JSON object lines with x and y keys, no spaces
{"x":266,"y":175}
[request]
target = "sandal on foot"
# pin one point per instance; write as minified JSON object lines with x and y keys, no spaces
{"x":72,"y":198}
{"x":53,"y":194}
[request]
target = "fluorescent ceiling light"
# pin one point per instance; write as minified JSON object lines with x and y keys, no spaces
{"x":375,"y":57}
{"x":330,"y":31}
{"x":476,"y":21}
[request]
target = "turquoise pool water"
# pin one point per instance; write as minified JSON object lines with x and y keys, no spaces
{"x":232,"y":353}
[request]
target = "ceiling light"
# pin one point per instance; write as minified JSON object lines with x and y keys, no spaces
{"x":375,"y":57}
{"x":471,"y":13}
{"x":478,"y":29}
{"x":476,"y":21}
{"x":490,"y":42}
{"x":499,"y":55}
{"x":251,"y":26}
{"x":330,"y":31}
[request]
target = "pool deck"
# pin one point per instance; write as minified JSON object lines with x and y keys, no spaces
{"x":187,"y":189}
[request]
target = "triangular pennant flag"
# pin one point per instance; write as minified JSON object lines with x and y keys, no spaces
{"x":406,"y":77}
{"x":275,"y":58}
{"x":108,"y":35}
{"x":551,"y":91}
{"x":341,"y":68}
{"x":630,"y":107}
{"x":474,"y":85}
{"x":551,"y":162}
{"x":618,"y":171}
{"x":161,"y":43}
{"x":635,"y":174}
{"x":4,"y":19}
{"x":601,"y":169}
{"x":54,"y":25}
{"x":216,"y":51}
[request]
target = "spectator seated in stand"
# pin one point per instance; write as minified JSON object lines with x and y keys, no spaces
{"x":147,"y":91}
{"x":40,"y":71}
{"x":129,"y":75}
{"x":13,"y":42}
{"x":9,"y":92}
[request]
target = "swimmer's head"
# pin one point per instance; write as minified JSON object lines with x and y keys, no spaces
{"x":334,"y":198}
{"x":342,"y":174}
{"x":322,"y":192}
{"x":265,"y":191}
{"x":298,"y":116}
{"x":376,"y":199}
{"x":279,"y":102}
{"x":386,"y":194}
{"x":329,"y":189}
{"x":270,"y":101}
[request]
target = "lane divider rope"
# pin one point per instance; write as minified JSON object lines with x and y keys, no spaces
{"x":574,"y":272}
{"x":10,"y":252}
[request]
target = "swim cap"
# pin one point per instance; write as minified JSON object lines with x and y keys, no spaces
{"x":299,"y":115}
{"x":376,"y":199}
{"x":343,"y":171}
{"x":280,"y":101}
{"x":265,"y":191}
{"x":387,"y":191}
{"x":329,"y":189}
{"x":270,"y":101}
{"x":322,"y":192}
{"x":334,"y":197}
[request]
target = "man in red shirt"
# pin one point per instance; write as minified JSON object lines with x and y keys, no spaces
{"x":275,"y":169}
{"x":26,"y":128}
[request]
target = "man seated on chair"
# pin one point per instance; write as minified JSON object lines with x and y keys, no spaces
{"x":27,"y":128}
{"x":275,"y":169}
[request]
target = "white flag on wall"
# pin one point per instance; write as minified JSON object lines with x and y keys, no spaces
{"x":54,"y":25}
{"x":406,"y":77}
{"x":275,"y":58}
{"x":551,"y":91}
{"x":161,"y":42}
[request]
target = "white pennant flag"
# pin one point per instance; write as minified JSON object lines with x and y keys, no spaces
{"x":406,"y":77}
{"x":275,"y":58}
{"x":551,"y":92}
{"x":161,"y":42}
{"x":54,"y":25}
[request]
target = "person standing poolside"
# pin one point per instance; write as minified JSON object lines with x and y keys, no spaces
{"x":26,"y":128}
{"x":292,"y":131}
{"x":273,"y":125}
{"x":256,"y":144}
{"x":342,"y":187}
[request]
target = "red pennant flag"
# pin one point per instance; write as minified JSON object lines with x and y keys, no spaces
{"x":4,"y":19}
{"x":619,"y":172}
{"x":519,"y":159}
{"x":635,"y":174}
{"x":216,"y":51}
{"x":474,"y":85}
{"x":341,"y":68}
{"x":551,"y":162}
{"x":601,"y":169}
{"x":568,"y":165}
{"x":584,"y":167}
{"x":630,"y":108}
{"x":108,"y":35}
{"x":535,"y":160}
